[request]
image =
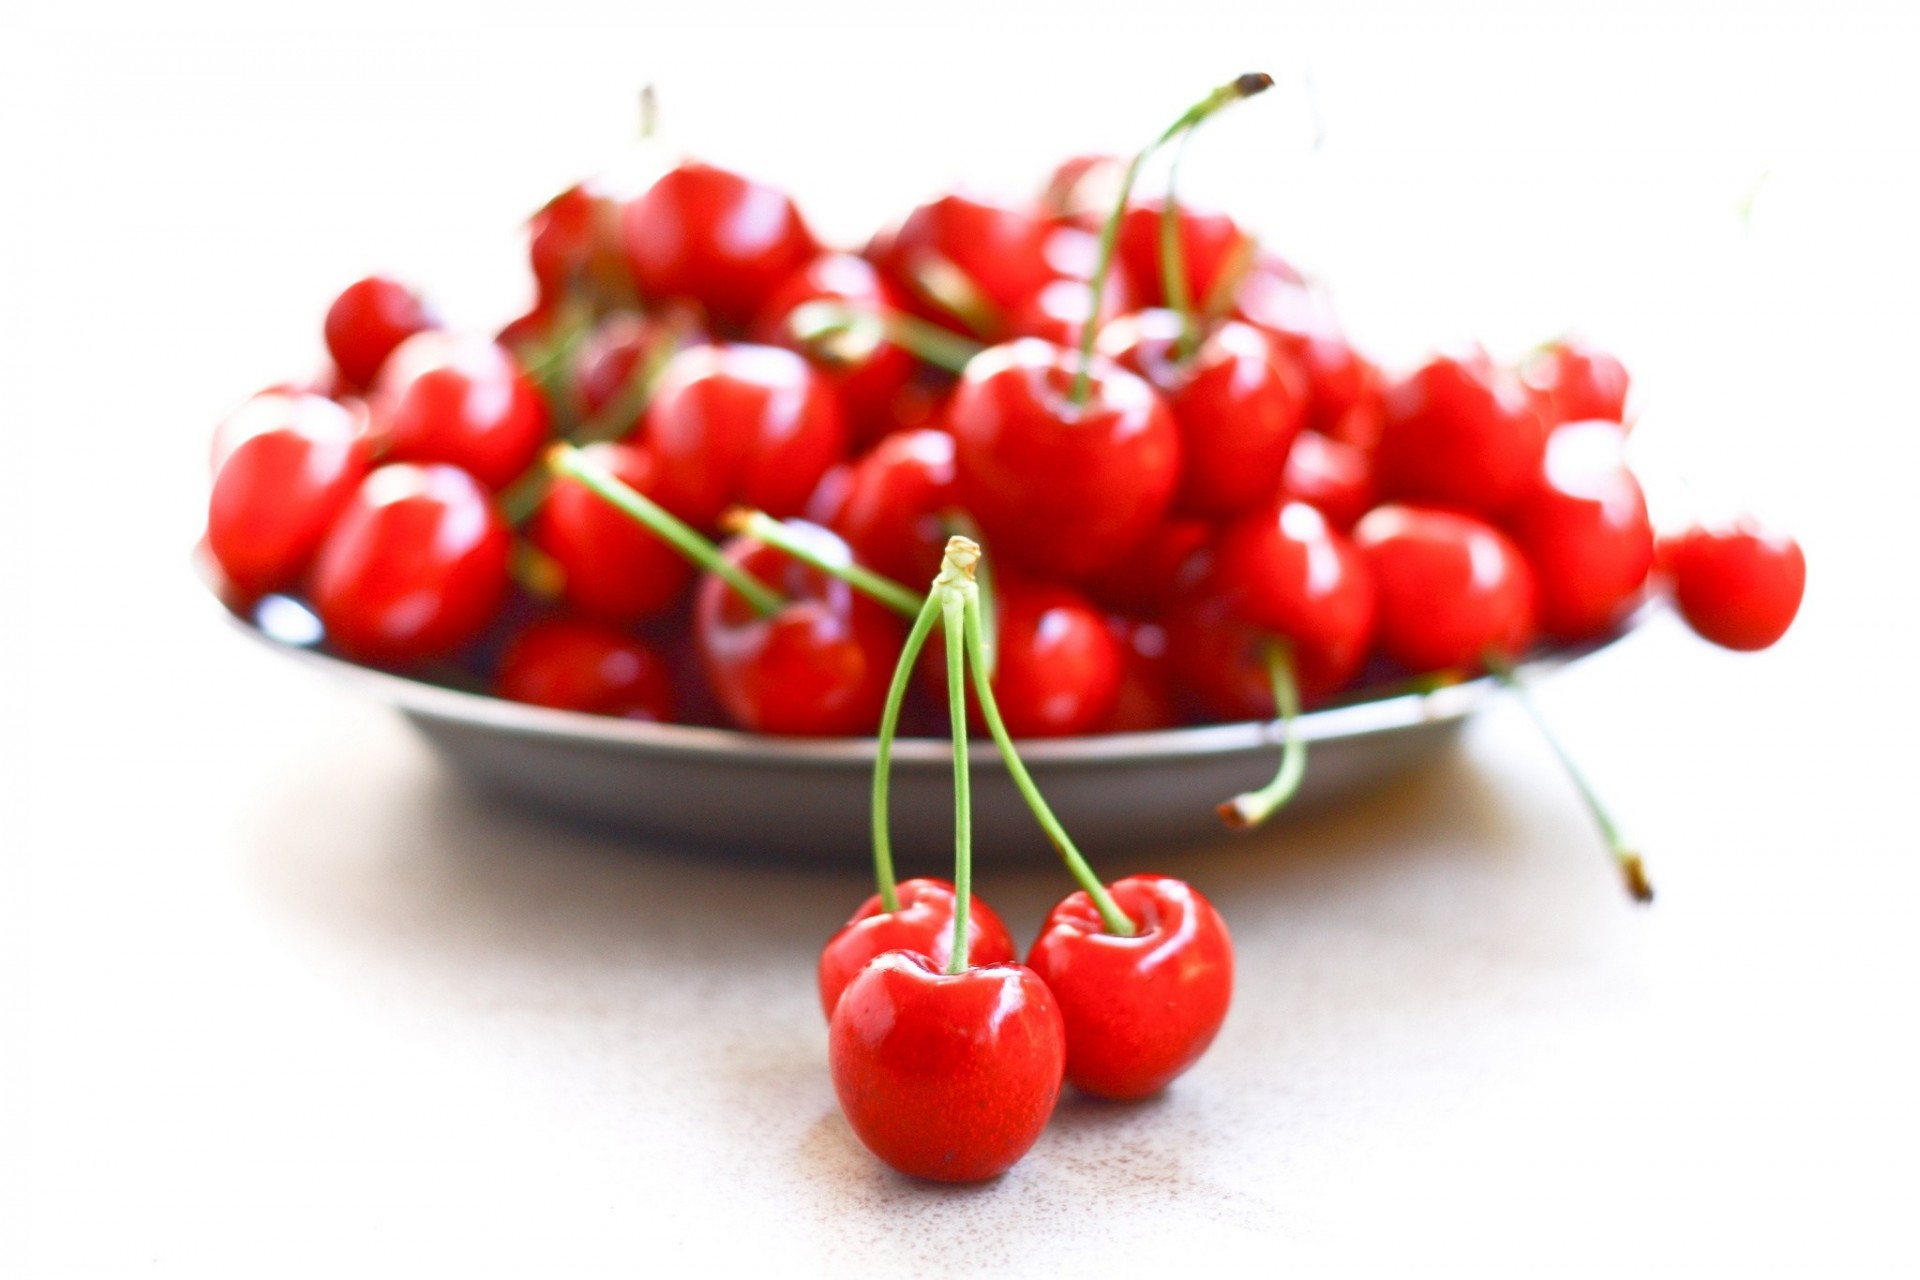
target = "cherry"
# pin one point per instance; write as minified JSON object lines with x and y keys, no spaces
{"x":367,"y":321}
{"x":1057,"y":664}
{"x":289,"y":465}
{"x":1344,"y":399}
{"x":719,"y":239}
{"x":966,"y":259}
{"x":1573,"y":382}
{"x":1145,"y":700}
{"x":1215,"y":251}
{"x":575,"y":247}
{"x":1452,"y":589}
{"x":889,"y":504}
{"x":1138,"y":1010}
{"x":922,"y":922}
{"x":619,"y":363}
{"x":749,"y":425}
{"x":1459,"y":432}
{"x":582,"y":666}
{"x":460,"y":400}
{"x":414,"y":567}
{"x":614,"y":570}
{"x":1146,"y":582}
{"x":1583,"y":525}
{"x":1332,"y":475}
{"x":1738,"y":585}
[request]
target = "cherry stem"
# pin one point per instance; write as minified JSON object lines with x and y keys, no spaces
{"x":616,"y":418}
{"x":567,"y":460}
{"x":957,"y":521}
{"x":1633,"y":871}
{"x":1241,"y":87}
{"x":883,"y":875}
{"x":1251,"y":808}
{"x":954,"y":610}
{"x":1173,"y":260}
{"x":861,"y":329}
{"x":762,"y":527}
{"x":519,"y":500}
{"x":1111,"y":916}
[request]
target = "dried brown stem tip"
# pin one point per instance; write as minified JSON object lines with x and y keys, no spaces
{"x":1233,"y":815}
{"x":1634,"y":872}
{"x":736,"y":519}
{"x":1253,"y":82}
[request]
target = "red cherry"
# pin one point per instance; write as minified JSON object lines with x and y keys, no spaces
{"x":965,"y":259}
{"x":367,"y":321}
{"x":1057,"y":665}
{"x":1215,"y":251}
{"x":819,"y":666}
{"x":1145,"y":583}
{"x":414,"y":567}
{"x":889,"y":505}
{"x":582,"y":666}
{"x":946,"y":1076}
{"x":1459,"y":432}
{"x":1331,"y":475}
{"x":1583,"y":525}
{"x":575,"y":246}
{"x":1138,"y":1010}
{"x":1737,"y":585}
{"x":1145,"y":700}
{"x":290,"y":464}
{"x":460,"y":400}
{"x":1344,"y":388}
{"x":1065,"y":488}
{"x":923,"y":924}
{"x":615,"y":570}
{"x":617,"y":360}
{"x":1573,"y":382}
{"x":716,"y":238}
{"x":1451,"y":588}
{"x":748,"y":425}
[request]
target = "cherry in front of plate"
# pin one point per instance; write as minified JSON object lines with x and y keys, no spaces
{"x":1739,"y":584}
{"x":1453,"y":590}
{"x":1583,"y":525}
{"x":574,"y":665}
{"x":1459,"y":432}
{"x":462,"y":400}
{"x":921,"y":920}
{"x":713,"y":237}
{"x":367,"y":321}
{"x":415,"y":566}
{"x":613,"y":569}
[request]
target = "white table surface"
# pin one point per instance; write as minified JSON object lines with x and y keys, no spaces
{"x":280,"y":997}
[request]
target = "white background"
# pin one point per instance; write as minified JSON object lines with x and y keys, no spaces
{"x":280,"y":999}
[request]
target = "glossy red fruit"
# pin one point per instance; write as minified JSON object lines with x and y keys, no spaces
{"x":367,"y":321}
{"x":1145,"y":700}
{"x":966,"y":260}
{"x":1065,"y":489}
{"x":463,"y":401}
{"x":1451,"y":588}
{"x":923,"y":923}
{"x":574,"y":665}
{"x":615,"y":570}
{"x":1155,"y":572}
{"x":575,"y":246}
{"x":1344,"y":388}
{"x":1057,"y":664}
{"x":1737,"y":585}
{"x":1459,"y":432}
{"x":752,"y":425}
{"x":890,"y":504}
{"x":949,"y":1077}
{"x":1584,"y":528}
{"x":415,"y":567}
{"x":819,"y":666}
{"x":1573,"y":382}
{"x":290,"y":464}
{"x":1215,"y":251}
{"x":1332,"y":475}
{"x":719,"y":239}
{"x":1138,"y":1010}
{"x":620,"y":355}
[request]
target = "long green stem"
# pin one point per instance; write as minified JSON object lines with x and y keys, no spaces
{"x":1241,"y":87}
{"x":1111,"y":916}
{"x":953,"y":607}
{"x":864,"y":328}
{"x":883,"y":754}
{"x":566,"y":460}
{"x":1633,"y":871}
{"x":762,"y":527}
{"x":1173,"y":259}
{"x":1251,"y":808}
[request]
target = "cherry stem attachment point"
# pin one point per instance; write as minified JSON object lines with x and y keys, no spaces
{"x":762,"y":527}
{"x":1251,"y":808}
{"x":849,"y":333}
{"x":883,"y":875}
{"x":1633,"y":871}
{"x":616,"y":418}
{"x":954,"y":609}
{"x":567,"y":460}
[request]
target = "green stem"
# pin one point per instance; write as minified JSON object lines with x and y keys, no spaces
{"x":1633,"y":871}
{"x":817,"y":323}
{"x":959,"y":522}
{"x":953,"y":608}
{"x":1173,"y":259}
{"x":1116,"y":920}
{"x":1242,"y":87}
{"x":762,"y":527}
{"x":883,"y":756}
{"x":1251,"y":808}
{"x":566,"y":460}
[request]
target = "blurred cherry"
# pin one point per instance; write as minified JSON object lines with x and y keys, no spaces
{"x":614,"y":569}
{"x":889,"y":505}
{"x":1738,"y":585}
{"x":1452,"y":589}
{"x":1459,"y":432}
{"x":573,"y":665}
{"x":719,"y":239}
{"x":1584,"y":528}
{"x":367,"y":321}
{"x":460,"y":400}
{"x":1332,"y":475}
{"x":1573,"y":382}
{"x":290,"y":464}
{"x":964,"y":259}
{"x":1215,"y":251}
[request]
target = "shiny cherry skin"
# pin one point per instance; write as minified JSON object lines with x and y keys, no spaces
{"x":574,"y":665}
{"x":575,"y":247}
{"x":923,"y":923}
{"x":946,"y":1076}
{"x":291,"y":464}
{"x":1065,"y":489}
{"x":1138,"y":1010}
{"x":1332,"y":475}
{"x":719,"y":239}
{"x":1146,"y":583}
{"x":623,"y":350}
{"x":367,"y":321}
{"x":1571,"y":381}
{"x":1344,"y":388}
{"x":818,"y":667}
{"x":889,"y":505}
{"x":1145,"y":700}
{"x":998,"y":254}
{"x":1584,"y":528}
{"x":615,"y":570}
{"x":1459,"y":432}
{"x":460,"y":400}
{"x":415,"y":567}
{"x":742,"y":424}
{"x":1213,"y":248}
{"x":1057,"y":664}
{"x":1452,"y":588}
{"x":1738,"y":585}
